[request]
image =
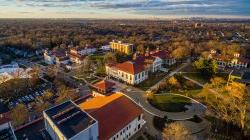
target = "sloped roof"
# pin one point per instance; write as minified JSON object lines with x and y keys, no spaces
{"x":112,"y":112}
{"x":104,"y":85}
{"x":132,"y":67}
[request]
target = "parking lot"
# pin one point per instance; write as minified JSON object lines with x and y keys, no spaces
{"x":32,"y":95}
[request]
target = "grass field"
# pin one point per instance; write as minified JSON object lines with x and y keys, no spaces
{"x":152,"y":80}
{"x":170,"y":103}
{"x":200,"y":78}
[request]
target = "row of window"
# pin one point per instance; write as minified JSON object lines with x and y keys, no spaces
{"x":142,"y":74}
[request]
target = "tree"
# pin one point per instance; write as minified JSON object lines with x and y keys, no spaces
{"x":47,"y":95}
{"x":208,"y":67}
{"x":229,"y":102}
{"x":110,"y":58}
{"x":173,"y":82}
{"x":180,"y":52}
{"x":40,"y":107}
{"x":19,"y":114}
{"x":176,"y":131}
{"x":87,"y":63}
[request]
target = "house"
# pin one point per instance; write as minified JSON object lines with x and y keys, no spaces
{"x":118,"y":46}
{"x":77,"y":54}
{"x":10,"y":71}
{"x":137,"y":70}
{"x":49,"y":57}
{"x":62,"y":60}
{"x":83,"y":50}
{"x":67,"y":121}
{"x":6,"y":129}
{"x":235,"y":61}
{"x":102,"y":88}
{"x":118,"y":117}
{"x":106,"y":48}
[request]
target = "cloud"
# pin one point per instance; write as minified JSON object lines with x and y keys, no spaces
{"x":142,"y":7}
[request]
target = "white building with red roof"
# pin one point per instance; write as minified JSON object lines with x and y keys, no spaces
{"x":235,"y":61}
{"x":131,"y":72}
{"x":137,"y":70}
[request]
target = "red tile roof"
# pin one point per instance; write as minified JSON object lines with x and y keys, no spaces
{"x":104,"y":85}
{"x":113,"y":115}
{"x":132,"y":67}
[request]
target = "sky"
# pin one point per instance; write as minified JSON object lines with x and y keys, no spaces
{"x":122,"y":9}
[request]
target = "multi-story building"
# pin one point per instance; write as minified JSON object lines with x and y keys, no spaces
{"x":137,"y":70}
{"x":119,"y":118}
{"x":68,"y":122}
{"x":131,"y":72}
{"x":234,"y":61}
{"x":118,"y":46}
{"x":6,"y":129}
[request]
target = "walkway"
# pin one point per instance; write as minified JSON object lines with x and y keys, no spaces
{"x":169,"y":75}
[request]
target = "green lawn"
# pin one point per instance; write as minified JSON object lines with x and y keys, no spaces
{"x":170,"y":103}
{"x":152,"y":80}
{"x":197,"y":77}
{"x":190,"y":93}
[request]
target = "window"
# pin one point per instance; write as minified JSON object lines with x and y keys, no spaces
{"x":139,"y":117}
{"x":139,"y":126}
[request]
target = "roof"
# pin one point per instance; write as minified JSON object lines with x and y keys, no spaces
{"x":132,"y":67}
{"x":76,"y":55}
{"x":4,"y":120}
{"x":113,"y":113}
{"x":161,"y":54}
{"x":69,"y":118}
{"x":104,"y":85}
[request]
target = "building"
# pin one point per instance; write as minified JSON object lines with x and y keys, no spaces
{"x":118,"y":117}
{"x":235,"y":61}
{"x":68,"y":122}
{"x":105,"y":48}
{"x":49,"y":57}
{"x":118,"y":46}
{"x":131,"y":72}
{"x":83,"y":50}
{"x":10,"y":71}
{"x":102,"y":88}
{"x":6,"y":129}
{"x":137,"y":70}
